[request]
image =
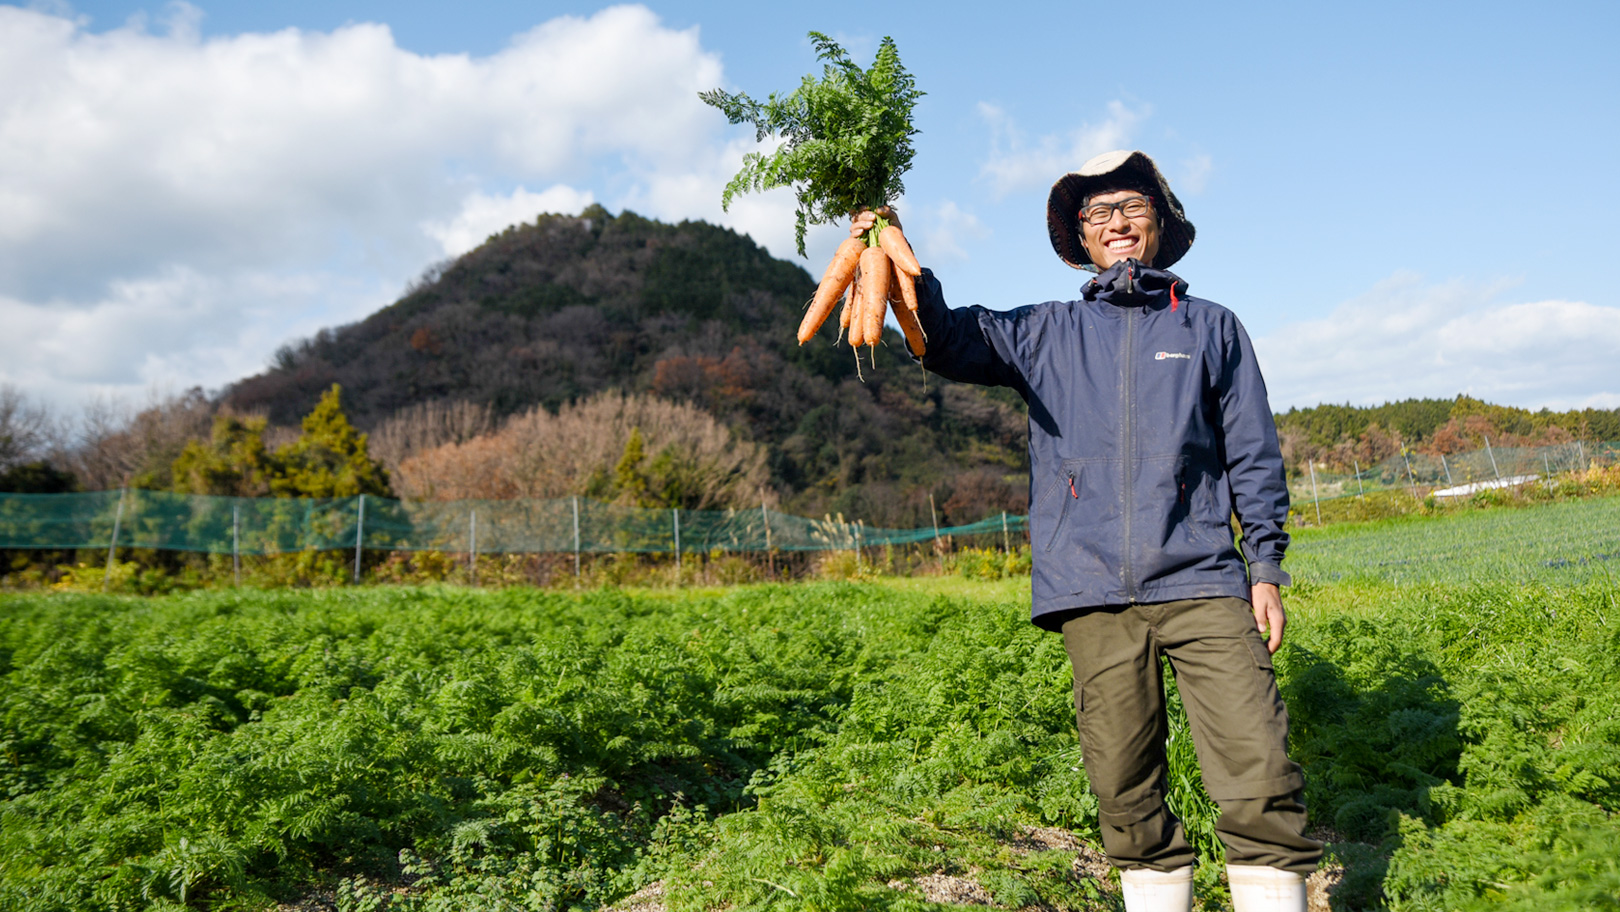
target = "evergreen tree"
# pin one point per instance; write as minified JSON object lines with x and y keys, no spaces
{"x":235,"y":461}
{"x":330,"y":459}
{"x":37,"y":478}
{"x":628,"y":479}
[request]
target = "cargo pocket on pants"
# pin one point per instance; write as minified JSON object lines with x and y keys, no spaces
{"x":1266,"y":682}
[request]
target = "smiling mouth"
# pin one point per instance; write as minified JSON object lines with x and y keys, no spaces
{"x":1120,"y":244}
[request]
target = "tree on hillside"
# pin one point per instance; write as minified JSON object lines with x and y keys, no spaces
{"x":599,"y":448}
{"x":630,"y":484}
{"x":234,"y":462}
{"x":422,"y":427}
{"x":38,"y":477}
{"x":115,"y":446}
{"x":25,"y":428}
{"x":330,"y":458}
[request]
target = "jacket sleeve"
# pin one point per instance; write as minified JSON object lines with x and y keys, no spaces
{"x":969,"y":344}
{"x":1254,"y":463}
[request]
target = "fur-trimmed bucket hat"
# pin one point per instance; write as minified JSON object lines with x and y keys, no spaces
{"x":1118,"y":170}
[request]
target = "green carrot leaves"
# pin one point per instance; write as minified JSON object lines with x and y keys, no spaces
{"x":846,"y":138}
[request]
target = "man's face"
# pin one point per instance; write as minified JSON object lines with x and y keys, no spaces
{"x":1119,"y":237}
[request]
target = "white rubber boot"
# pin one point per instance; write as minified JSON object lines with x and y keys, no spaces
{"x":1256,"y":888}
{"x":1147,"y":890}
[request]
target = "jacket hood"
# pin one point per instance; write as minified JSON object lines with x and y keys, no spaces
{"x":1130,"y":283}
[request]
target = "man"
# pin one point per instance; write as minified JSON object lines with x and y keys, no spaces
{"x":1149,"y":428}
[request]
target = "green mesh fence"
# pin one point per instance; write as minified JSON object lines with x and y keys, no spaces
{"x":1456,"y":475}
{"x":246,"y":525}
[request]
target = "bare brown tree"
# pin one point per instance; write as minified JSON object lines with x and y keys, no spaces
{"x":116,"y":445}
{"x":25,"y":428}
{"x":426,"y":426}
{"x":542,"y":455}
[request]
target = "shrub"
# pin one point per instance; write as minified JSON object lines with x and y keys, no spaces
{"x":989,"y":563}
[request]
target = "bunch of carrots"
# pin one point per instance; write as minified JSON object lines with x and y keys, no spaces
{"x":845,"y":142}
{"x":870,"y":273}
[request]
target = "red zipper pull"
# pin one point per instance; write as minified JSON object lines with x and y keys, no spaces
{"x":1174,"y":301}
{"x":1072,"y":492}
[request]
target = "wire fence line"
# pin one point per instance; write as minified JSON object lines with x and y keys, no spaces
{"x":1453,"y":475}
{"x":161,"y":520}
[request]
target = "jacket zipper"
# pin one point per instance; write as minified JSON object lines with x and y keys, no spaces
{"x":1128,"y":432}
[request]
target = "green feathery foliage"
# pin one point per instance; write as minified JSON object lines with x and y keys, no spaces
{"x":846,"y":137}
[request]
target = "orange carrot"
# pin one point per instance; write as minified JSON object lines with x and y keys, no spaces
{"x":908,"y":290}
{"x":848,"y":308}
{"x":833,"y":282}
{"x":907,"y":318}
{"x":875,"y":271}
{"x":894,"y":244}
{"x":857,"y":311}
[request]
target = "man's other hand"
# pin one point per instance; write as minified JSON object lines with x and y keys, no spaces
{"x":861,"y":222}
{"x":1268,"y":612}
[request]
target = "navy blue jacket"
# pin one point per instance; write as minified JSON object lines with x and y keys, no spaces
{"x":1148,"y":429}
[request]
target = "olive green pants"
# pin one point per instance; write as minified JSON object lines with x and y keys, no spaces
{"x":1239,"y":728}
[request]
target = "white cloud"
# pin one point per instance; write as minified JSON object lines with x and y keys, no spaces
{"x":951,"y":231}
{"x":1016,"y":163}
{"x":1406,"y":338}
{"x":483,"y":214}
{"x":174,"y":330}
{"x":240,"y":190}
{"x":1193,"y":175}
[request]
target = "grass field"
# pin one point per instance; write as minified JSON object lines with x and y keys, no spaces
{"x":1565,"y":543}
{"x":812,"y":746}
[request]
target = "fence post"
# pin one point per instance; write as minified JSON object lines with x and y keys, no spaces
{"x":675,"y":512}
{"x":1447,"y":466}
{"x":1314,"y":498}
{"x":860,"y":541}
{"x":1492,"y":453}
{"x":576,"y":538}
{"x":770,"y":556}
{"x":1582,"y":447}
{"x":359,"y":536}
{"x":1006,"y":540}
{"x":1361,"y":492}
{"x":472,"y":547}
{"x":1548,"y":468}
{"x":118,"y":520}
{"x":236,"y":543}
{"x":934,"y":515}
{"x":1409,"y":475}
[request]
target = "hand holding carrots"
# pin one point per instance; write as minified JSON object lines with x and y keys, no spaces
{"x":862,"y":222}
{"x":871,"y":269}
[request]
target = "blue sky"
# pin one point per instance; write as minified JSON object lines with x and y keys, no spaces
{"x":1397,"y":199}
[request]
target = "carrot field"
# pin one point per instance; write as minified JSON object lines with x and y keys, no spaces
{"x":886,"y":744}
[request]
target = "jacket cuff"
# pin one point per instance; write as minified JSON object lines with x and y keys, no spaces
{"x":1269,"y":573}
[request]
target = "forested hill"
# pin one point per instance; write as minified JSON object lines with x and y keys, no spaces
{"x":1418,"y":421}
{"x":552,"y":311}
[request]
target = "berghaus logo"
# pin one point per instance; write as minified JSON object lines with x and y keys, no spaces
{"x":1163,"y":355}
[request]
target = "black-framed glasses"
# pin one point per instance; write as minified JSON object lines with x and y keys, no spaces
{"x":1131,"y":206}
